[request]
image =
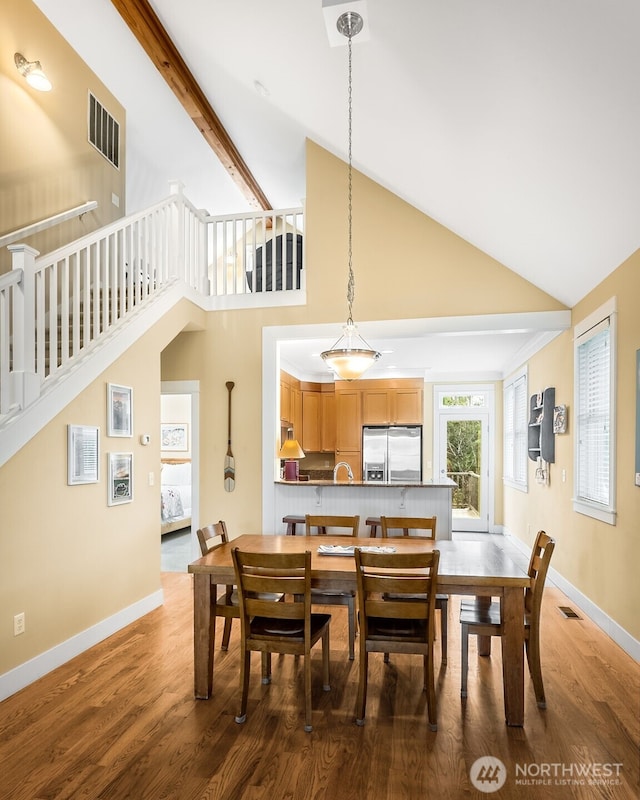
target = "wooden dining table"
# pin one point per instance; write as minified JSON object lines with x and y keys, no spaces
{"x":466,"y":568}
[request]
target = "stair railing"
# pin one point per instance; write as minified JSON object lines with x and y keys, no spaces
{"x":55,"y":309}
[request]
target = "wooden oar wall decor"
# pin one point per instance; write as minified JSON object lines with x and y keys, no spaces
{"x":229,"y":461}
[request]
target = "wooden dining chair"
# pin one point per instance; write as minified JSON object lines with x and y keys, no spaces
{"x":336,"y":525}
{"x":224,"y":605}
{"x":287,"y":627}
{"x":425,"y":528}
{"x":482,"y":620}
{"x":402,"y":625}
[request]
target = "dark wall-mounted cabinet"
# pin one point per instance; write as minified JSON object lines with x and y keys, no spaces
{"x":541,"y":436}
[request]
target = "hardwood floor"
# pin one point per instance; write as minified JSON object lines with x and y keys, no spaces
{"x":120,"y":722}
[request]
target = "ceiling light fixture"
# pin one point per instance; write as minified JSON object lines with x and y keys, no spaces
{"x":33,"y":72}
{"x":351,"y":356}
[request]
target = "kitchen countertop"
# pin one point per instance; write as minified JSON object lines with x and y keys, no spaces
{"x":444,"y":483}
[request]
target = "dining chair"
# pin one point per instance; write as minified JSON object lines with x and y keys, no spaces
{"x":225,"y":605}
{"x":425,"y":528}
{"x":336,"y":525}
{"x":401,"y":625}
{"x":485,"y":620}
{"x":287,"y":627}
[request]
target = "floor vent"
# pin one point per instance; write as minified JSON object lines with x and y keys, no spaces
{"x":104,"y":131}
{"x":569,"y":613}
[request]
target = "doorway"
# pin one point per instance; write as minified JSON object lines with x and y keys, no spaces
{"x":187,"y":452}
{"x":462,"y":440}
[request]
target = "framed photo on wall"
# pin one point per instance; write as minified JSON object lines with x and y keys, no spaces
{"x":174,"y":436}
{"x":83,"y":454}
{"x":120,"y":478}
{"x":119,"y":410}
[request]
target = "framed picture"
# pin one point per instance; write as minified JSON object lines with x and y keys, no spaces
{"x":120,"y":478}
{"x":174,"y":436}
{"x":83,"y":454}
{"x":119,"y":410}
{"x":560,"y":419}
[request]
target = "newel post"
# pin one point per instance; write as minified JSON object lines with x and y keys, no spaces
{"x":25,"y":383}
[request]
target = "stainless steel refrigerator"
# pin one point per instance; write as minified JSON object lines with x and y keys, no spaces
{"x":392,"y":453}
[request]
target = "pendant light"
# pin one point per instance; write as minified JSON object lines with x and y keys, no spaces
{"x":351,"y":356}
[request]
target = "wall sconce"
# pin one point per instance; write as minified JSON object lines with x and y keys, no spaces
{"x":33,"y":72}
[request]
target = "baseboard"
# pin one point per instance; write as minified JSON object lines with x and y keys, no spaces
{"x":16,"y":679}
{"x":619,"y":635}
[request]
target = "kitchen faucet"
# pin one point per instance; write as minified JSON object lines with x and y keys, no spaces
{"x":337,"y":467}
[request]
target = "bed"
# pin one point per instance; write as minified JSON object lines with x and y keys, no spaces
{"x":175,"y":495}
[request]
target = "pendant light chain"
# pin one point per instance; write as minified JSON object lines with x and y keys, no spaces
{"x":351,"y":283}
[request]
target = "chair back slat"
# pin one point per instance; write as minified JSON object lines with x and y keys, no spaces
{"x":338,"y":525}
{"x":538,"y":568}
{"x":423,"y":527}
{"x":212,"y":536}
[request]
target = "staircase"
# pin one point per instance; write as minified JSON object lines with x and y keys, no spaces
{"x":66,"y":316}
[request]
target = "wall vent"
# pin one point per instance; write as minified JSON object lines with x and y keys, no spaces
{"x":568,"y":612}
{"x":104,"y":131}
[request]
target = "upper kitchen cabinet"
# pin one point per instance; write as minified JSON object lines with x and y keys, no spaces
{"x":328,"y":417}
{"x":398,"y":402}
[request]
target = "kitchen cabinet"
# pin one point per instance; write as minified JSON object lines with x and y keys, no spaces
{"x":311,"y":422}
{"x":392,"y":405}
{"x":349,"y":429}
{"x":285,"y":401}
{"x":297,"y":414}
{"x":328,"y":421}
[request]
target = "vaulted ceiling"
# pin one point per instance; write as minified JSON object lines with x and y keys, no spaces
{"x":514,"y":124}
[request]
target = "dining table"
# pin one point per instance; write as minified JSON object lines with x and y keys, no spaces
{"x":474,"y":568}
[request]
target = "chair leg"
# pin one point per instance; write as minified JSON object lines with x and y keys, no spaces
{"x":307,"y":693}
{"x":326,"y":685}
{"x":226,"y":633}
{"x":532,"y":647}
{"x":429,"y":686}
{"x":464,"y":636}
{"x":245,"y":669}
{"x":352,"y":627}
{"x":444,"y":612}
{"x":266,"y":668}
{"x":362,"y":687}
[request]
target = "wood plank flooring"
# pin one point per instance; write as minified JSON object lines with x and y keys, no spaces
{"x":120,"y":722}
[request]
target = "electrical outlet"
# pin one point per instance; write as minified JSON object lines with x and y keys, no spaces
{"x":19,"y":624}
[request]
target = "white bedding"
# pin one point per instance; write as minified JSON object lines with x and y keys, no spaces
{"x":175,"y":492}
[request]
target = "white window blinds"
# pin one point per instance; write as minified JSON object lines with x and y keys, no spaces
{"x":515,"y":432}
{"x":595,"y":407}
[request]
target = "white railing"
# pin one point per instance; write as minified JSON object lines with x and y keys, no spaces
{"x":54,"y":308}
{"x":49,"y":222}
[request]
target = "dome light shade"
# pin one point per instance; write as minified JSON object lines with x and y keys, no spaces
{"x":350,"y":357}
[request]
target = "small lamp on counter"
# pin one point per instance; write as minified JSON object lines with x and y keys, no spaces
{"x":291,"y":451}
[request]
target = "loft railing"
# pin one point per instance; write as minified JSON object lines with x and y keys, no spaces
{"x":54,"y":308}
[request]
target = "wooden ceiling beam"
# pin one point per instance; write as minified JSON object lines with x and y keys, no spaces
{"x":149,"y":31}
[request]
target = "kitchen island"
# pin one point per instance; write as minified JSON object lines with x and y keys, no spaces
{"x":368,"y":499}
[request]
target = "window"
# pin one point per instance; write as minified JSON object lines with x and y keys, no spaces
{"x":104,"y":131}
{"x":594,"y":397}
{"x":515,"y":432}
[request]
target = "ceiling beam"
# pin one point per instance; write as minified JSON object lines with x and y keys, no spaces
{"x":149,"y":31}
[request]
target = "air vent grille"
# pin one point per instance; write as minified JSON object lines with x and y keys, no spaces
{"x":569,"y":613}
{"x":104,"y":131}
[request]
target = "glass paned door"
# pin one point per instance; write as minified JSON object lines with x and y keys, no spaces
{"x":462,"y":446}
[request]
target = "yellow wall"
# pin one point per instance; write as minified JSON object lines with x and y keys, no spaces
{"x":598,"y":559}
{"x":47,"y":165}
{"x":67,"y":560}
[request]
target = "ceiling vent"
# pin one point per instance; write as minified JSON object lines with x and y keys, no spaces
{"x":104,"y":132}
